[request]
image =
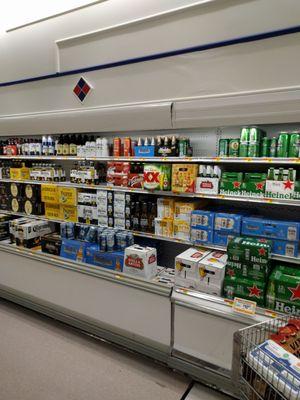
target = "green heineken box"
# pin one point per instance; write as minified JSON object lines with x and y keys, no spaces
{"x":246,"y":288}
{"x":296,"y":194}
{"x":254,"y":183}
{"x":247,"y":270}
{"x":231,"y":183}
{"x":255,"y":250}
{"x":283,"y":293}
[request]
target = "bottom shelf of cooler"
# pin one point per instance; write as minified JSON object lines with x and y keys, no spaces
{"x":126,"y":310}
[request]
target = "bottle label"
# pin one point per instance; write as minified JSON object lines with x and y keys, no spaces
{"x":59,"y":149}
{"x":66,"y":149}
{"x":73,"y":149}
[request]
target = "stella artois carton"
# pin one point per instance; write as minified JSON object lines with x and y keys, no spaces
{"x":140,"y":261}
{"x":245,"y":288}
{"x":283,"y":294}
{"x":207,"y":185}
{"x":186,"y":267}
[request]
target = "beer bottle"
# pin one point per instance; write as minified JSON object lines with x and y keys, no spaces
{"x":144,"y":217}
{"x":202,"y":172}
{"x":280,"y":174}
{"x":151,"y":219}
{"x":271,"y":295}
{"x":66,"y":145}
{"x":153,"y":141}
{"x":174,"y":146}
{"x":73,"y":146}
{"x":136,"y":217}
{"x":271,"y":174}
{"x":146,"y":142}
{"x":291,"y":174}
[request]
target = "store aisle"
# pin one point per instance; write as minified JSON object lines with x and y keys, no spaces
{"x":43,"y":359}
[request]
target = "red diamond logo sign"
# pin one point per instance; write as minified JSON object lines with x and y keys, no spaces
{"x":82,"y":89}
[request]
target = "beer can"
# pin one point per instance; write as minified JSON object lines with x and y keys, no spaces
{"x":117,"y":147}
{"x":103,"y":241}
{"x":119,"y":240}
{"x":294,"y":146}
{"x":245,"y":135}
{"x":254,"y":149}
{"x":283,"y":144}
{"x":127,"y":147}
{"x":244,"y":142}
{"x":273,"y":147}
{"x":183,"y":144}
{"x":265,"y":148}
{"x":223,"y":147}
{"x":234,"y":146}
{"x":130,"y":239}
{"x":110,"y":241}
{"x":92,"y":234}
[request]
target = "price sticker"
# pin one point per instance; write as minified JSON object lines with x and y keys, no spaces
{"x":249,"y":159}
{"x":244,"y":306}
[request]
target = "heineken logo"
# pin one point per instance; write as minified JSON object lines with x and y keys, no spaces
{"x":262,"y":251}
{"x":288,"y":184}
{"x":237,"y":184}
{"x":259,"y":185}
{"x":230,"y":272}
{"x":254,"y":291}
{"x":282,"y":307}
{"x":295,"y":292}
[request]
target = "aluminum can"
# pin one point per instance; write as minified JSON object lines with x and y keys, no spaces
{"x":223,"y":147}
{"x":234,"y":147}
{"x":273,"y":147}
{"x":294,"y":146}
{"x":103,"y":241}
{"x":130,"y":239}
{"x":283,"y":144}
{"x":110,"y":241}
{"x":265,"y":148}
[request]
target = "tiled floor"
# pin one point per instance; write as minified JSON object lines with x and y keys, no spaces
{"x":43,"y":359}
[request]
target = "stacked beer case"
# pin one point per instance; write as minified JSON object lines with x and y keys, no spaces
{"x":283,"y":294}
{"x":247,"y":269}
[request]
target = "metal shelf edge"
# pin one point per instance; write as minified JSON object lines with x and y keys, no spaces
{"x":91,"y":270}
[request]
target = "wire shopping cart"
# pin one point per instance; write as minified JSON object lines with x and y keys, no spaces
{"x":257,"y":375}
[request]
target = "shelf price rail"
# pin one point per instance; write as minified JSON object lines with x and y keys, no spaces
{"x":261,"y":200}
{"x":216,"y":159}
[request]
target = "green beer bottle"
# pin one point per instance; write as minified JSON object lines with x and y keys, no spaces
{"x":280,"y":174}
{"x":271,"y":174}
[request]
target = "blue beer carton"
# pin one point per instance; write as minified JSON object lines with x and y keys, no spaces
{"x":202,"y":219}
{"x":273,"y":229}
{"x":74,"y":249}
{"x":228,"y":222}
{"x":111,"y":260}
{"x":144,"y":151}
{"x":222,"y":238}
{"x":285,"y":248}
{"x":201,"y":236}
